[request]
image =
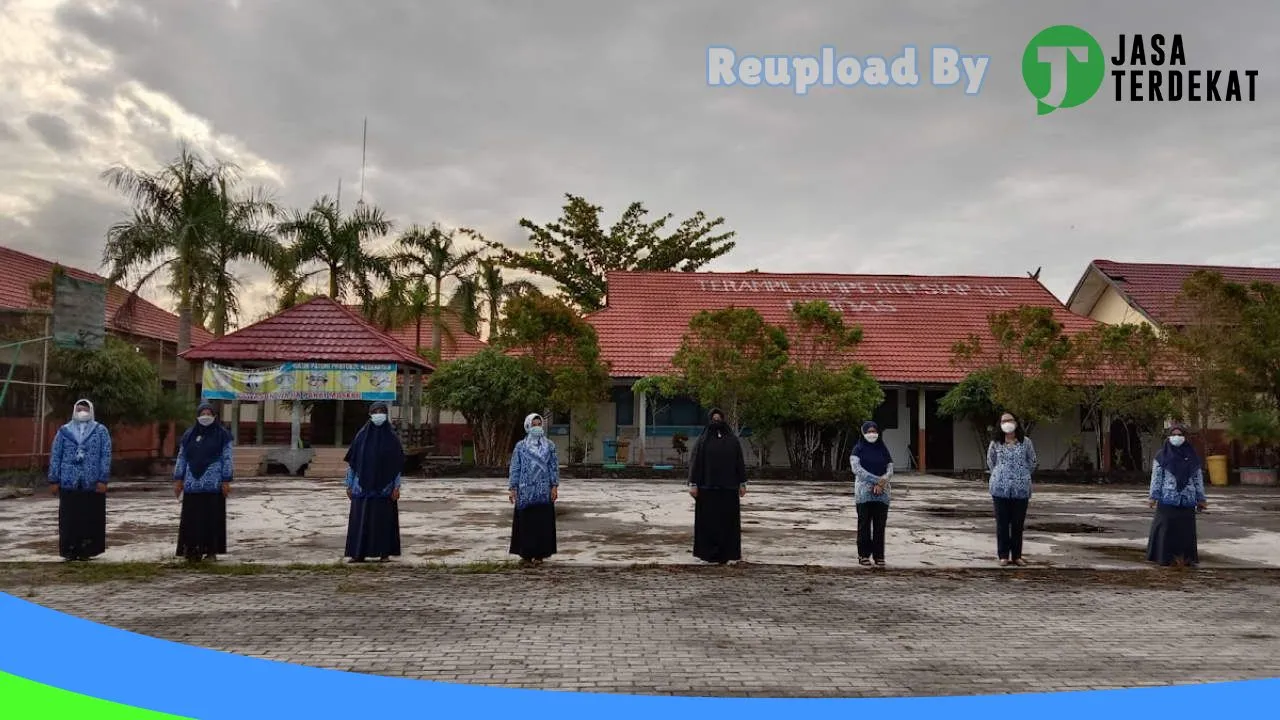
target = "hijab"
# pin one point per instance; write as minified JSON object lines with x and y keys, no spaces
{"x":81,"y":430}
{"x":376,"y":454}
{"x":202,"y":446}
{"x":1180,"y":462}
{"x":874,"y":456}
{"x":717,"y":460}
{"x":540,"y":445}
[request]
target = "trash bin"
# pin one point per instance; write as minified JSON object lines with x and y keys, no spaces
{"x":610,"y":451}
{"x":624,"y":451}
{"x":468,"y":452}
{"x":1217,"y":470}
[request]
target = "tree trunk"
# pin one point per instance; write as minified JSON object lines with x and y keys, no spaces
{"x":333,"y":283}
{"x":184,"y":380}
{"x":436,"y":319}
{"x":417,"y":337}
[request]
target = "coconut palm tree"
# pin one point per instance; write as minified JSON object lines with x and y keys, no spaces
{"x":327,"y":241}
{"x":181,"y":213}
{"x":241,"y":233}
{"x":492,"y":290}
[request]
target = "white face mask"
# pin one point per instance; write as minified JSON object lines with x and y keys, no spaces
{"x":82,"y":416}
{"x":1176,"y":440}
{"x":871,"y":437}
{"x":205,"y":420}
{"x":378,"y":418}
{"x":536,"y":431}
{"x":1008,"y":427}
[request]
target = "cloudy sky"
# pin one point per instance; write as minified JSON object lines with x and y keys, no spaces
{"x":483,"y":112}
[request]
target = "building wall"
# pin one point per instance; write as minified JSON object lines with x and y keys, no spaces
{"x":1113,"y":309}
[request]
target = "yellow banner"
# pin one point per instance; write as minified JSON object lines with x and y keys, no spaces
{"x":301,"y":381}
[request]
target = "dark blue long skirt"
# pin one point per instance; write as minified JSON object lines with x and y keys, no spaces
{"x":82,"y":524}
{"x":1173,"y":536}
{"x":533,"y":532}
{"x":373,"y":530}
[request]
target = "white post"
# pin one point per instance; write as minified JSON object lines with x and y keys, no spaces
{"x":921,"y":430}
{"x":644,"y":421}
{"x":295,"y":437}
{"x":42,"y":399}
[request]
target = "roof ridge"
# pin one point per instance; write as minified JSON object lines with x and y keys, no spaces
{"x":1185,"y":266}
{"x":818,"y":274}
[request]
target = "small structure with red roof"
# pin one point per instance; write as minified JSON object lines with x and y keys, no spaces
{"x":910,"y":325}
{"x":339,"y":355}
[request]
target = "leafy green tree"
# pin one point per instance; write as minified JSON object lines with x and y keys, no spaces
{"x":973,"y":402}
{"x":1117,"y":370}
{"x":326,"y":241}
{"x":730,"y":358}
{"x":1028,"y":355}
{"x":493,"y":290}
{"x":827,"y":395}
{"x":565,"y":349}
{"x":1203,"y":345}
{"x":576,"y":251}
{"x":120,"y":381}
{"x":493,"y":391}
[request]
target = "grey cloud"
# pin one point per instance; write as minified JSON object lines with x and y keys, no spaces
{"x":483,"y":112}
{"x":70,"y":228}
{"x":54,"y":131}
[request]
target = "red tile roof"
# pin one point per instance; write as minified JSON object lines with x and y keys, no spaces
{"x":456,"y":344}
{"x":319,"y":330}
{"x":909,"y":322}
{"x":141,"y":318}
{"x":1154,"y":288}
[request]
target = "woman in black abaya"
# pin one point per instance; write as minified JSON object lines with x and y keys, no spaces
{"x":375,"y":462}
{"x":717,"y":482}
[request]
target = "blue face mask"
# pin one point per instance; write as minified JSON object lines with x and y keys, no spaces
{"x":378,"y":418}
{"x":536,"y":431}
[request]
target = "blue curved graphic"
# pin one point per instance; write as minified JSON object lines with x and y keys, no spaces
{"x":83,"y":657}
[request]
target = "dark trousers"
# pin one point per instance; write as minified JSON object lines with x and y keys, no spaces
{"x":1011,"y":515}
{"x":872,"y":517}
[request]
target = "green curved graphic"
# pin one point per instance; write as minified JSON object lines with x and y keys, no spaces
{"x":24,"y":699}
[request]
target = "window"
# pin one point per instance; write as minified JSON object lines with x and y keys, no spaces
{"x":886,"y":416}
{"x":559,"y":419}
{"x":681,"y":411}
{"x":625,"y":402}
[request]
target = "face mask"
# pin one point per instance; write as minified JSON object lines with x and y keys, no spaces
{"x":205,"y":420}
{"x":82,"y":416}
{"x":871,"y":437}
{"x":378,"y":418}
{"x":1176,"y":440}
{"x":536,"y":431}
{"x":1008,"y":427}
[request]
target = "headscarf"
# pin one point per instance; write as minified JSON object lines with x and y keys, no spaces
{"x":538,"y":445}
{"x":82,"y":430}
{"x":874,"y":456}
{"x":376,"y":454}
{"x":202,"y":446}
{"x":1180,"y":462}
{"x":717,"y":458}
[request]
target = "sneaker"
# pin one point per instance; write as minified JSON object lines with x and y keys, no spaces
{"x":880,"y":563}
{"x":1004,"y":563}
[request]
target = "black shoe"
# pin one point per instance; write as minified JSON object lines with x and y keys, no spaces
{"x":864,"y":561}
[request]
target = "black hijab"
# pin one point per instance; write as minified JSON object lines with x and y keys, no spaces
{"x":376,"y":454}
{"x":874,"y":456}
{"x":1180,"y":462}
{"x":202,"y":446}
{"x":717,"y":458}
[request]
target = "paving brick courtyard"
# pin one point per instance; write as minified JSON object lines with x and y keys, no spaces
{"x":745,"y":631}
{"x":622,"y":609}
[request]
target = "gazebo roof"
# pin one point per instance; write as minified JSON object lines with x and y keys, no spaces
{"x":319,"y":330}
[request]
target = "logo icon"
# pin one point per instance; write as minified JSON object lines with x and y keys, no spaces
{"x":1063,"y":66}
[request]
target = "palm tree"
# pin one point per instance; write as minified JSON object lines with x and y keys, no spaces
{"x":492,"y":290}
{"x":428,"y":258}
{"x":335,"y":242}
{"x":179,"y":214}
{"x":241,"y":233}
{"x":465,"y":302}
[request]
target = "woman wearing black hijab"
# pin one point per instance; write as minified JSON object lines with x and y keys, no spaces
{"x":1177,"y":492}
{"x":375,"y":461}
{"x":872,"y":467}
{"x":202,"y":478}
{"x":717,"y":482}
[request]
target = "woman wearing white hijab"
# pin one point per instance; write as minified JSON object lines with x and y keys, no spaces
{"x":533,"y":487}
{"x":79,"y":468}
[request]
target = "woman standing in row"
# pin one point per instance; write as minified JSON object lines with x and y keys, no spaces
{"x":717,"y":482}
{"x":872,"y":467}
{"x":202,"y":479}
{"x":1012,"y":459}
{"x":533,"y":486}
{"x":375,"y":463}
{"x":1177,"y":493}
{"x":79,"y":468}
